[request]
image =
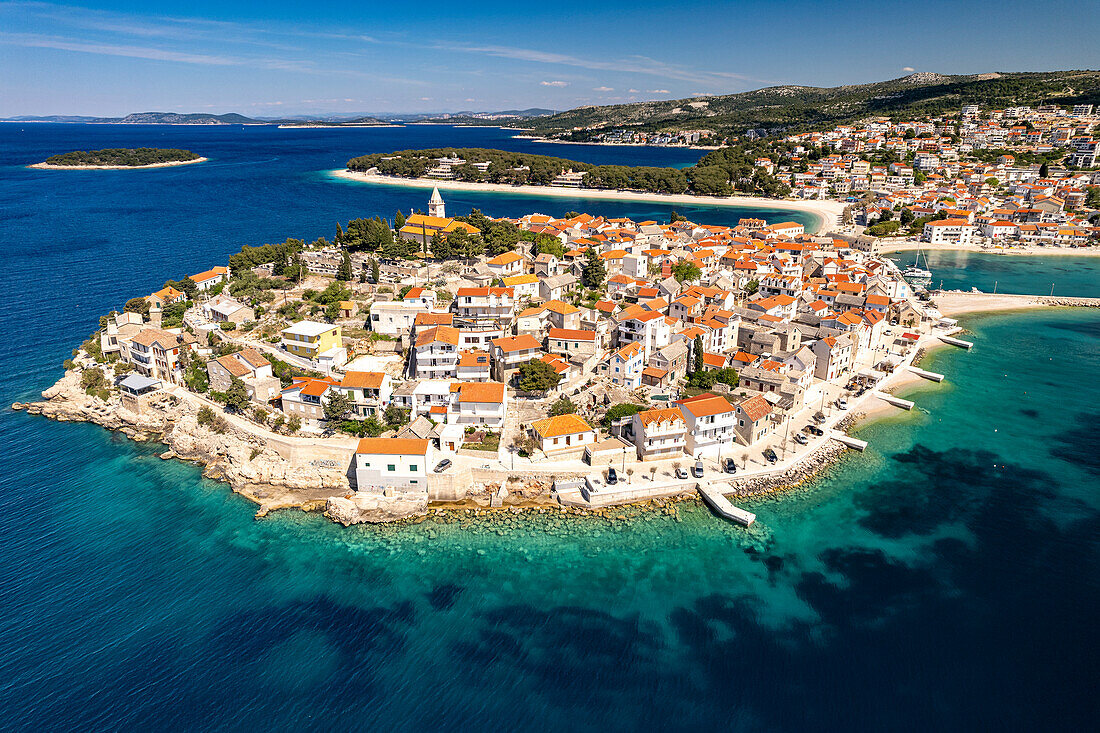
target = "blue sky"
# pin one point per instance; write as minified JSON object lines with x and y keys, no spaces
{"x":288,"y":57}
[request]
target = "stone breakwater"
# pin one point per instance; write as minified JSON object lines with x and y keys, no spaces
{"x":1070,"y":302}
{"x":801,"y":472}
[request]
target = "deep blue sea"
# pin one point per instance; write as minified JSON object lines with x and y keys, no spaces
{"x":946,"y":579}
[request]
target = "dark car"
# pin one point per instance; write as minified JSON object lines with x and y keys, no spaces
{"x":443,"y":465}
{"x":612,"y":477}
{"x":814,"y":430}
{"x":729,"y":465}
{"x":770,"y":455}
{"x":697,"y":469}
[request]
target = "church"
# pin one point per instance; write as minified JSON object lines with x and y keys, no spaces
{"x":421,"y":228}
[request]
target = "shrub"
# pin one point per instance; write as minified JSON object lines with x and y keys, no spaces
{"x":227,"y":325}
{"x":293,"y":424}
{"x":206,"y":416}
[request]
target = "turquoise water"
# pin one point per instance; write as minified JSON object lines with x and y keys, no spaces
{"x":946,"y":578}
{"x":1067,"y":275}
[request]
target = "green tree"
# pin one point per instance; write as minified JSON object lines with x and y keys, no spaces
{"x":337,"y":407}
{"x":697,"y":355}
{"x":1044,"y":170}
{"x":236,"y":397}
{"x":686,"y":270}
{"x":752,"y":286}
{"x":594,"y":271}
{"x":395,"y":416}
{"x":398,"y":220}
{"x":906,"y":217}
{"x":374,"y":272}
{"x":137,"y":305}
{"x":1092,"y":197}
{"x":293,"y":424}
{"x":563,"y":406}
{"x":343,"y":272}
{"x":537,"y":376}
{"x":189,"y":287}
{"x":619,"y":411}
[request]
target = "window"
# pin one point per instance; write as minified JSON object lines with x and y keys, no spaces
{"x":412,"y":468}
{"x":391,"y":468}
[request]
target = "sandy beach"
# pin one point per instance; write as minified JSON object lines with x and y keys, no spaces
{"x":826,"y":212}
{"x":1025,"y":250}
{"x":169,"y":164}
{"x":954,"y":303}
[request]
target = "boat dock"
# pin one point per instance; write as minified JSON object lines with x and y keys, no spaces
{"x":722,"y":506}
{"x":895,"y":401}
{"x":934,"y":376}
{"x":848,"y":440}
{"x":957,"y":342}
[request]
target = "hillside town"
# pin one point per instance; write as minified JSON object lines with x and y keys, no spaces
{"x":596,"y":346}
{"x":990,"y":177}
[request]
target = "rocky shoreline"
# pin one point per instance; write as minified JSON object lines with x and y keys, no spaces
{"x":244,"y":461}
{"x":255,"y":470}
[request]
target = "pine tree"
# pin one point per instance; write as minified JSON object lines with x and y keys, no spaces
{"x":343,"y":272}
{"x":339,"y":234}
{"x":697,"y":355}
{"x":594,"y":271}
{"x":398,"y":220}
{"x":374,"y":274}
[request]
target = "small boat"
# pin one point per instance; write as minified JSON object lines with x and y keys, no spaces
{"x":917,"y":273}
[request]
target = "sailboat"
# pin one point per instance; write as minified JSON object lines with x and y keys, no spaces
{"x":915,"y":271}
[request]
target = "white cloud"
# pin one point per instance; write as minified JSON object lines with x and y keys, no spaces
{"x":603,"y":89}
{"x":554,"y":83}
{"x":907,"y":68}
{"x":632,"y":91}
{"x":657,"y":91}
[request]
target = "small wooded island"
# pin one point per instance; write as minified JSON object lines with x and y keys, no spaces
{"x":120,"y":158}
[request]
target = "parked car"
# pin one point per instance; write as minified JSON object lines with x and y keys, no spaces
{"x":842,"y":403}
{"x":443,"y":465}
{"x":612,"y":477}
{"x":729,"y":465}
{"x":697,"y":469}
{"x":814,"y":430}
{"x":770,"y":456}
{"x":801,"y":439}
{"x":819,"y":417}
{"x":681,"y":473}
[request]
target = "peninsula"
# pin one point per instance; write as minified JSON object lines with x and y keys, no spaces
{"x":119,"y":159}
{"x":540,"y":363}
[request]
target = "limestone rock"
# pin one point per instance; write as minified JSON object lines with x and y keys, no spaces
{"x":375,"y":508}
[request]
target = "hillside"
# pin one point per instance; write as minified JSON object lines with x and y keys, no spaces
{"x":175,"y":118}
{"x":798,"y":108}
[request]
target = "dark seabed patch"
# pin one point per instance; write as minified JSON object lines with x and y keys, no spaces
{"x":1080,"y":444}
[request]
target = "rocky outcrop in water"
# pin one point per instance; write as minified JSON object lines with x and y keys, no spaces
{"x":359,"y":508}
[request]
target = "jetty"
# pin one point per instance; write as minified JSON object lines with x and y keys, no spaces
{"x":957,"y":342}
{"x":934,"y":376}
{"x":722,"y":506}
{"x":895,"y":401}
{"x":848,"y":440}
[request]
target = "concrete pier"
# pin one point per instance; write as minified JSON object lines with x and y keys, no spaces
{"x":895,"y":401}
{"x":848,"y":440}
{"x":722,"y":506}
{"x":957,"y":342}
{"x":934,"y":376}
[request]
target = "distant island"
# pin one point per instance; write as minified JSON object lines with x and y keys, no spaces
{"x":120,"y":158}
